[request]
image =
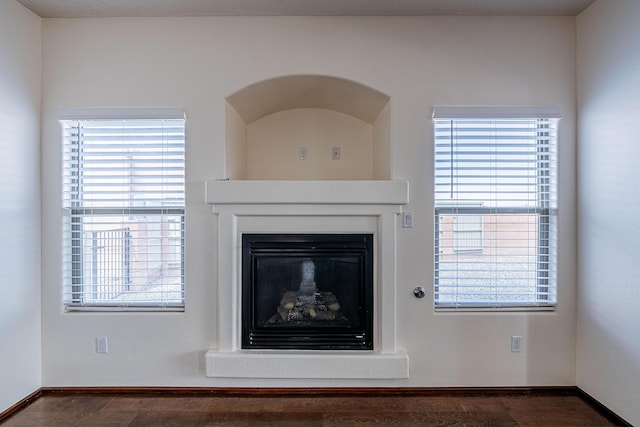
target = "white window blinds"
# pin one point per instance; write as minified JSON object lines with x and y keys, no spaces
{"x":495,"y":207}
{"x":124,"y":203}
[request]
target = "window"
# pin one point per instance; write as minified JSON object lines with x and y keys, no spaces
{"x":123,"y":209}
{"x":495,"y":207}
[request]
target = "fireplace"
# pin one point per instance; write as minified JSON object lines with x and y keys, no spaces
{"x":307,"y":291}
{"x":305,"y":208}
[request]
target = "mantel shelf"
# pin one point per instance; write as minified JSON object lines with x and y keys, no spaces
{"x":390,"y":192}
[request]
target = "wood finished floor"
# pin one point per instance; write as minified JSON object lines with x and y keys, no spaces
{"x":432,"y":410}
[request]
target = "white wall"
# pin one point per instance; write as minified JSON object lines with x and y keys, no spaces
{"x":382,"y":145}
{"x":235,"y":145}
{"x":20,"y":65}
{"x":419,"y":62}
{"x":608,"y":346}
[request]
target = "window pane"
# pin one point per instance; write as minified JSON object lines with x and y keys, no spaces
{"x":495,"y":207}
{"x":124,"y":222}
{"x":503,"y":268}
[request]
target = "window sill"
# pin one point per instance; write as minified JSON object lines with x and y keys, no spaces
{"x":495,"y":309}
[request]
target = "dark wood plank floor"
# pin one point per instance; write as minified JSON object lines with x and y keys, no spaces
{"x":454,"y":409}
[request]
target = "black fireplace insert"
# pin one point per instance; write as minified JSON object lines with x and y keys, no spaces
{"x":307,"y":291}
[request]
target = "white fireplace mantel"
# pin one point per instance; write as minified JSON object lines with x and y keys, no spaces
{"x":306,"y":207}
{"x":307,"y":192}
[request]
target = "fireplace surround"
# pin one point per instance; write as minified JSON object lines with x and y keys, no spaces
{"x":305,"y":207}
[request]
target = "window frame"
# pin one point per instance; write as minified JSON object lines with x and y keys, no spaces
{"x":546,"y":211}
{"x":75,"y":278}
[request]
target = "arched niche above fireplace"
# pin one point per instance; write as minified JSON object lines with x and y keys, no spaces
{"x":290,"y":127}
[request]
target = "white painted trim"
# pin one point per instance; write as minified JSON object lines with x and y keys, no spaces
{"x":117,"y":113}
{"x":310,"y":365}
{"x":496,"y":112}
{"x":306,"y":207}
{"x":307,"y":192}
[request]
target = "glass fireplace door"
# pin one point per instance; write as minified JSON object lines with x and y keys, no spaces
{"x":307,"y":291}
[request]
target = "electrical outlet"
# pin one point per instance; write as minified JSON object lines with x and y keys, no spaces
{"x":303,"y":153}
{"x":335,"y":153}
{"x":407,"y":219}
{"x":102,"y":345}
{"x":516,"y":344}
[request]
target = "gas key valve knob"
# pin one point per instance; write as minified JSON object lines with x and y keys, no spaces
{"x":419,"y":292}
